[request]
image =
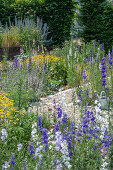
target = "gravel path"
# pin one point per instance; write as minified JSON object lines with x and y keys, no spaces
{"x":63,"y":98}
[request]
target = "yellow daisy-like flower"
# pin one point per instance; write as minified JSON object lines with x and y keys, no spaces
{"x":17,"y":111}
{"x":7,"y":110}
{"x":14,"y":123}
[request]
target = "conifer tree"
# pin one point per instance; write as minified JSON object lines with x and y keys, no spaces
{"x":96,"y":18}
{"x":58,"y":15}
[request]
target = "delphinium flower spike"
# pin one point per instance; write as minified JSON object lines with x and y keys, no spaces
{"x":84,"y":75}
{"x":45,"y":138}
{"x":31,"y":149}
{"x":12,"y":161}
{"x":103,"y":72}
{"x":40,"y":122}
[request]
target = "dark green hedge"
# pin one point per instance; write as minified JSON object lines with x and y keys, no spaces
{"x":96,"y":17}
{"x":6,"y":10}
{"x":59,"y":16}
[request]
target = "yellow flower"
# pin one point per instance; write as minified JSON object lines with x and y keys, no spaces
{"x":16,"y":111}
{"x":13,"y":109}
{"x":15,"y":123}
{"x":17,"y":119}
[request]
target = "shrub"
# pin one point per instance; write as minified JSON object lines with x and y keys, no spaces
{"x":96,"y":17}
{"x":59,"y":17}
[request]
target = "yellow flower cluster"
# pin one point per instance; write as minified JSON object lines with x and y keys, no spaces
{"x":7,"y":110}
{"x":40,"y":59}
{"x":35,"y":31}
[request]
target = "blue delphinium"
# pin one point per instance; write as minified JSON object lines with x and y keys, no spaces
{"x":40,"y":122}
{"x":103,"y":72}
{"x":59,"y":112}
{"x":72,"y":126}
{"x":79,"y":95}
{"x":91,"y":51}
{"x":31,"y":149}
{"x":68,"y":138}
{"x":84,"y":74}
{"x":86,"y":60}
{"x":56,"y":127}
{"x":91,"y":59}
{"x":44,"y":67}
{"x":88,"y":127}
{"x":102,"y":45}
{"x":64,"y":119}
{"x":12,"y":161}
{"x":87,"y":92}
{"x":100,"y":48}
{"x":110,"y":60}
{"x":45,"y":138}
{"x":16,"y":62}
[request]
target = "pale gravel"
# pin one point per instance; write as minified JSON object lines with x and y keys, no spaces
{"x":63,"y":98}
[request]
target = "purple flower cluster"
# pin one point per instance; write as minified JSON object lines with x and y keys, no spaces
{"x":64,"y":119}
{"x":31,"y":149}
{"x":45,"y":138}
{"x":72,"y":126}
{"x":106,"y":143}
{"x":87,"y":92}
{"x":86,"y":60}
{"x":68,"y":138}
{"x":59,"y":112}
{"x":57,"y":127}
{"x":110,"y":60}
{"x":84,"y":74}
{"x":12,"y":161}
{"x":102,"y":48}
{"x":91,"y":51}
{"x":88,"y":127}
{"x":79,"y":95}
{"x":103,"y":72}
{"x":40,"y":122}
